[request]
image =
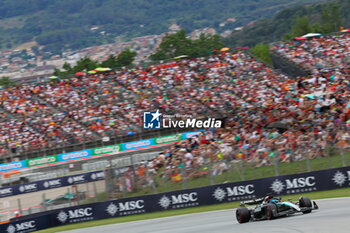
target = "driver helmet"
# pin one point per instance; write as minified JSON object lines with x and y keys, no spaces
{"x":268,"y":198}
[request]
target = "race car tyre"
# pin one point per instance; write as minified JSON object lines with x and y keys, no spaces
{"x":305,"y":202}
{"x":270,"y":210}
{"x":242,"y":215}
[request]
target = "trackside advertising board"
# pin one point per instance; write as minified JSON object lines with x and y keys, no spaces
{"x":51,"y":183}
{"x":114,"y":149}
{"x":215,"y":194}
{"x":74,"y":155}
{"x":168,"y":139}
{"x":13,"y":166}
{"x":100,"y":151}
{"x":190,"y":134}
{"x":137,"y":145}
{"x":24,"y":226}
{"x":42,"y":161}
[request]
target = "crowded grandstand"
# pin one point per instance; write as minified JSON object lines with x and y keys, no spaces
{"x":267,"y":114}
{"x":250,"y":94}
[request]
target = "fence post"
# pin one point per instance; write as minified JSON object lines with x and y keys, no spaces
{"x":277,"y":162}
{"x":343,"y":159}
{"x":184,"y":186}
{"x":211,"y":175}
{"x":134,"y":172}
{"x":44,"y":199}
{"x":19,"y":205}
{"x":95,"y":191}
{"x":70,"y":200}
{"x":152,"y":180}
{"x":241,"y":164}
{"x":122,"y":186}
{"x":308,"y":165}
{"x":87,"y":190}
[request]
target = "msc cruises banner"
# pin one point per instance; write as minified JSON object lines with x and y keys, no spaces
{"x":51,"y":183}
{"x":238,"y":191}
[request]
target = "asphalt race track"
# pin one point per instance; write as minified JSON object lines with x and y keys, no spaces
{"x":332,"y":217}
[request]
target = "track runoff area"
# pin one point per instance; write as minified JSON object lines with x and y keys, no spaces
{"x":332,"y":216}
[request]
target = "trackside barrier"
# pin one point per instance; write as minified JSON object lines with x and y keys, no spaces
{"x":42,"y":185}
{"x":280,"y":185}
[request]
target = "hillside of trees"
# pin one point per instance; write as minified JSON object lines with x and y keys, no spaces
{"x":63,"y":24}
{"x":178,"y":44}
{"x":292,"y":22}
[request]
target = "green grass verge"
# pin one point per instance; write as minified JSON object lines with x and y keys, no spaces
{"x":344,"y":192}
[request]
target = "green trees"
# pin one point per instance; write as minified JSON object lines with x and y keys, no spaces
{"x":85,"y":64}
{"x":110,"y":62}
{"x":292,"y":22}
{"x":125,"y":58}
{"x":262,"y":52}
{"x":301,"y":27}
{"x":6,"y":82}
{"x":173,"y":45}
{"x":329,"y":20}
{"x":178,"y":44}
{"x":205,"y":44}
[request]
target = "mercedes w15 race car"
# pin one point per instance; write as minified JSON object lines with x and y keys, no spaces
{"x":273,"y":207}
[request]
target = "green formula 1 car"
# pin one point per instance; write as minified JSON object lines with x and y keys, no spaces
{"x":270,"y":207}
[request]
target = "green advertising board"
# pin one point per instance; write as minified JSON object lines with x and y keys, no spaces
{"x":168,"y":139}
{"x":42,"y":161}
{"x":107,"y":150}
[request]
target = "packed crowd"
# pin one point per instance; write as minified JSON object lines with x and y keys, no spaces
{"x":312,"y":113}
{"x":251,"y":96}
{"x":215,"y":152}
{"x":46,"y":122}
{"x":319,"y":54}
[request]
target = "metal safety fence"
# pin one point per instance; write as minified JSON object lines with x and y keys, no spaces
{"x":183,"y":166}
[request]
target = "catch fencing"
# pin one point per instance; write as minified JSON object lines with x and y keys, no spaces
{"x":136,"y":175}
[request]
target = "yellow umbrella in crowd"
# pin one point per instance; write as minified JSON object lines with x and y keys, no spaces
{"x":224,"y":49}
{"x":99,"y":69}
{"x":182,"y":56}
{"x":103,"y":69}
